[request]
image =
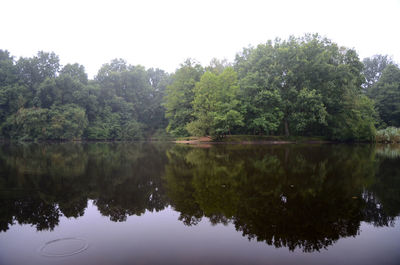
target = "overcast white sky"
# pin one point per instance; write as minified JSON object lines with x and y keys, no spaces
{"x":164,"y":33}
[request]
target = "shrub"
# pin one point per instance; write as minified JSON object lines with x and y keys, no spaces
{"x":388,"y":135}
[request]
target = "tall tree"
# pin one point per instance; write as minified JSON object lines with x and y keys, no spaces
{"x":33,"y":71}
{"x":216,"y":104}
{"x":159,"y":80}
{"x":298,"y":86}
{"x":180,"y":95}
{"x":8,"y":71}
{"x":76,"y":71}
{"x":373,"y":68}
{"x":12,"y":94}
{"x":386,"y":92}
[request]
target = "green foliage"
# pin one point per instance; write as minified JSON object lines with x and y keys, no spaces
{"x":179,"y":97}
{"x":33,"y":71}
{"x":373,"y":68}
{"x":48,"y":93}
{"x":305,"y":86}
{"x":216,"y":104}
{"x":106,"y":126}
{"x":12,"y":95}
{"x":39,"y":101}
{"x":132,"y":130}
{"x":308,"y":110}
{"x":356,"y":120}
{"x":131,"y":99}
{"x":75,"y":71}
{"x":27,"y":124}
{"x":8,"y":71}
{"x":265,"y":112}
{"x":112,"y":126}
{"x":12,"y":98}
{"x":386,"y":93}
{"x":66,"y":122}
{"x":301,"y":86}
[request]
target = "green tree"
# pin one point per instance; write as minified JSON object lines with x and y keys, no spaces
{"x":75,"y":71}
{"x":356,"y":121}
{"x":217,"y":66}
{"x":67,"y":122}
{"x":12,"y":98}
{"x":216,"y":105}
{"x":298,"y":86}
{"x":276,"y":87}
{"x":8,"y":70}
{"x":133,"y":95}
{"x":33,"y":71}
{"x":159,"y":80}
{"x":27,"y":124}
{"x":179,"y":97}
{"x":386,"y":93}
{"x":48,"y":93}
{"x":373,"y":68}
{"x":12,"y":94}
{"x":69,"y":88}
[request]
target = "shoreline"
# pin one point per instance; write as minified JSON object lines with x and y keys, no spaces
{"x":234,"y":140}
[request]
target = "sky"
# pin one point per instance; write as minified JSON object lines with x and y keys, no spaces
{"x":163,"y":33}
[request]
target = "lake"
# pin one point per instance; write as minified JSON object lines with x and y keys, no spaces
{"x":162,"y":203}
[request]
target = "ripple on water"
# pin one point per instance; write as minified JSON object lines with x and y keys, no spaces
{"x":63,"y":247}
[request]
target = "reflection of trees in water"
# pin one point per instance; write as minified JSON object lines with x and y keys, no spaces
{"x":383,"y":197}
{"x":288,"y":196}
{"x":129,"y":182}
{"x":37,"y":188}
{"x":29,"y":210}
{"x":297,"y":197}
{"x":388,"y":150}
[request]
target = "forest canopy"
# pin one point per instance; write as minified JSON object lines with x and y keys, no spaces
{"x":302,"y":86}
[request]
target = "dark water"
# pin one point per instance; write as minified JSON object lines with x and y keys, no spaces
{"x":126,"y":203}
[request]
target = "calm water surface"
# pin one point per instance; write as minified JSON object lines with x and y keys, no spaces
{"x":144,"y":203}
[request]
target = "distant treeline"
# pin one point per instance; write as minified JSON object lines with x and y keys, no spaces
{"x":307,"y":86}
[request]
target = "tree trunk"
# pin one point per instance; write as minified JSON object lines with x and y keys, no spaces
{"x":286,"y":128}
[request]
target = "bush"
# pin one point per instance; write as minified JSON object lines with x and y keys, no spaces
{"x":388,"y":135}
{"x":59,"y":123}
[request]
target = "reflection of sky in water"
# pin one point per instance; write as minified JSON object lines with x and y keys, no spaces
{"x":159,"y":238}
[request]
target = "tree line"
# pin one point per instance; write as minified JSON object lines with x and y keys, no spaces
{"x":41,"y":100}
{"x":303,"y":86}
